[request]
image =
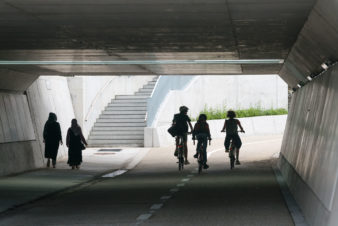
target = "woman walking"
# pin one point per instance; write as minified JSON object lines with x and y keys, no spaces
{"x":52,"y":138}
{"x":75,"y":144}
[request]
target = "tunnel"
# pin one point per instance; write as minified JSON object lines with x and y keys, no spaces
{"x":60,"y":47}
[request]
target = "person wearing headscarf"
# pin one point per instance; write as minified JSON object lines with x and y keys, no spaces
{"x":75,"y":144}
{"x":52,"y":138}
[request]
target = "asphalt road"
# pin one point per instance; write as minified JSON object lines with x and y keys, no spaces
{"x":156,"y":193}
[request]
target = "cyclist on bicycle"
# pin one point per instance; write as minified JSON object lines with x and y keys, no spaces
{"x":202,"y":133}
{"x":181,"y":122}
{"x":231,"y":129}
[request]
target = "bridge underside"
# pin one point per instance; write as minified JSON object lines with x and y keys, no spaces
{"x":148,"y":30}
{"x":303,"y":33}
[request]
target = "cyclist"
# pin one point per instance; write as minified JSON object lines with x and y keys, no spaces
{"x":181,"y":122}
{"x":202,"y":133}
{"x":231,"y":129}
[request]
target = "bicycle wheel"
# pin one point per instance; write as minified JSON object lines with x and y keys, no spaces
{"x":200,"y":158}
{"x":232,"y":157}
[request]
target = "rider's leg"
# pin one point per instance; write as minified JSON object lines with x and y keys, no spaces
{"x":227,"y":142}
{"x":185,"y":146}
{"x":205,"y":144}
{"x":238,"y":144}
{"x":176,"y":149}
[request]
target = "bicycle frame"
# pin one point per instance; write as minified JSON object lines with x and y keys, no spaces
{"x":200,"y":155}
{"x":180,"y":148}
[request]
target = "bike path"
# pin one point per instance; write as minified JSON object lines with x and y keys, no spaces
{"x":20,"y":189}
{"x":155,"y":193}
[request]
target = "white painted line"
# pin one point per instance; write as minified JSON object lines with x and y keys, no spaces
{"x":180,"y":185}
{"x":166,"y":197}
{"x":185,"y":180}
{"x":174,"y":190}
{"x":115,"y":173}
{"x":249,"y":143}
{"x":144,"y":217}
{"x":156,"y":206}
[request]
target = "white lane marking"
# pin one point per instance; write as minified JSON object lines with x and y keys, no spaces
{"x":165,"y":197}
{"x":156,"y":206}
{"x":144,"y":217}
{"x":174,"y":190}
{"x":115,"y":173}
{"x":180,"y":185}
{"x":185,"y":180}
{"x":249,"y":143}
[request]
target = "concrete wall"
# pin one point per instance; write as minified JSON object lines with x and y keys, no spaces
{"x":236,"y":92}
{"x":91,"y":94}
{"x":17,"y":138}
{"x":309,"y":155}
{"x":262,"y":125}
{"x":50,"y":94}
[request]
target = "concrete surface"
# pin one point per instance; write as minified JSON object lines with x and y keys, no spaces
{"x":253,"y":126}
{"x":91,"y":94}
{"x":217,"y":92}
{"x":45,"y":95}
{"x":155,"y":193}
{"x":309,"y":156}
{"x":230,"y":30}
{"x":316,"y":43}
{"x":20,"y":189}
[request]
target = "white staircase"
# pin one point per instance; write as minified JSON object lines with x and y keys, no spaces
{"x":123,"y":120}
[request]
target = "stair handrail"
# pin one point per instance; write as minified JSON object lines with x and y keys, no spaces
{"x":151,"y":95}
{"x":96,"y":98}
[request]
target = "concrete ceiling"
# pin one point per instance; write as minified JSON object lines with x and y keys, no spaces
{"x":149,"y":30}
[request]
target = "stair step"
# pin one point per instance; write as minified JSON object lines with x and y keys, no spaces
{"x":123,"y":112}
{"x":112,"y":116}
{"x":130,"y":101}
{"x":126,"y":108}
{"x":117,"y":137}
{"x":145,"y":89}
{"x":112,"y":128}
{"x":117,"y":132}
{"x":109,"y":141}
{"x":120,"y":124}
{"x":114,"y":145}
{"x":148,"y":86}
{"x":139,"y":120}
{"x":130,"y":97}
{"x":127,"y":104}
{"x":143,"y":94}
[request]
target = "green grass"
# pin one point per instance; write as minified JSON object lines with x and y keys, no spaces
{"x":220,"y":113}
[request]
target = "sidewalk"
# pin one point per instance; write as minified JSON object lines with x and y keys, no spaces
{"x":33,"y":185}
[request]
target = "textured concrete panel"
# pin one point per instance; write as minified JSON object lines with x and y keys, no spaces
{"x":16,"y":122}
{"x":310,"y":144}
{"x":316,"y":43}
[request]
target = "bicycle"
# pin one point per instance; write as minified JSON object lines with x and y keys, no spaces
{"x":232,"y":150}
{"x":180,"y":152}
{"x":232,"y":155}
{"x":200,"y":158}
{"x":200,"y":155}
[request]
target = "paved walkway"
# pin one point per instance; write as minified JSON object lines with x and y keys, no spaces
{"x":30,"y":186}
{"x":155,"y":193}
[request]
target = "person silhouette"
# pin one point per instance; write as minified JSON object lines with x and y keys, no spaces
{"x":52,"y":138}
{"x":75,"y":143}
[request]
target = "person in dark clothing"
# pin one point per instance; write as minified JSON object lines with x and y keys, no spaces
{"x":52,"y":138}
{"x":181,"y":122}
{"x":202,"y":133}
{"x":231,"y":129}
{"x":75,"y":144}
